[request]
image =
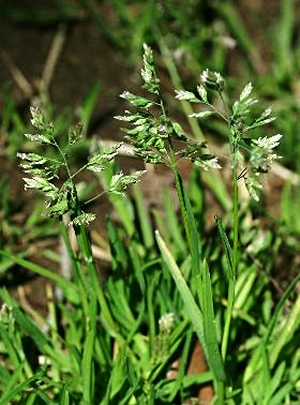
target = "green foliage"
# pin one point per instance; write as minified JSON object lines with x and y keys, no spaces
{"x":157,"y":146}
{"x":170,"y":279}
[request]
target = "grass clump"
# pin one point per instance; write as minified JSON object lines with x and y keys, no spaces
{"x":116,"y":343}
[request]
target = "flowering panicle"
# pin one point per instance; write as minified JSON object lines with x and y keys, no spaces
{"x":257,"y":153}
{"x":45,"y":173}
{"x":152,"y":132}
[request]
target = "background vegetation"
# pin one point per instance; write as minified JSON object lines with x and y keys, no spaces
{"x":183,"y":256}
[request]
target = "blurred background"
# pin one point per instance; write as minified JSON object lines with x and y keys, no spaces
{"x":81,"y":54}
{"x":67,"y":47}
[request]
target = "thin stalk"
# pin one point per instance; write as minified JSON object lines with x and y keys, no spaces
{"x":84,"y":244}
{"x":235,"y":219}
{"x":78,"y":274}
{"x":195,"y":252}
{"x":64,"y":160}
{"x":228,"y":316}
{"x":233,"y":136}
{"x":96,"y":197}
{"x":220,"y":400}
{"x":95,"y":285}
{"x":235,"y":247}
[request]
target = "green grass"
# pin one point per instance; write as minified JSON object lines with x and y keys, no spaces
{"x":173,"y":279}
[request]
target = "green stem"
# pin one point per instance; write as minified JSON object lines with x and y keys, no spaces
{"x":76,"y":267}
{"x":64,"y":160}
{"x":220,"y":400}
{"x":235,"y":249}
{"x":84,"y":244}
{"x":94,"y":198}
{"x":235,"y":219}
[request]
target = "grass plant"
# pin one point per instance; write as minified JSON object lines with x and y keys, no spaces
{"x":172,"y":280}
{"x":115,"y":343}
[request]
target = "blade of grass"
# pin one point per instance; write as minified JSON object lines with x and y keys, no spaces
{"x":189,"y":222}
{"x":13,"y":350}
{"x":84,"y":244}
{"x":184,"y":358}
{"x":118,"y":251}
{"x":274,"y":384}
{"x":64,"y":397}
{"x":42,"y":341}
{"x":291,"y":325}
{"x":18,"y":388}
{"x":195,"y":315}
{"x":230,"y":275}
{"x":283,"y":48}
{"x":87,"y":368}
{"x":279,"y":308}
{"x":227,"y":247}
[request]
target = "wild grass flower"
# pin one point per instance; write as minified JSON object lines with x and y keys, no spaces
{"x":152,"y":132}
{"x":166,"y":322}
{"x":46,"y":173}
{"x":256,"y":154}
{"x":213,"y":80}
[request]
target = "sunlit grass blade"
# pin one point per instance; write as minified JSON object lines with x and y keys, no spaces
{"x":201,"y":276}
{"x":125,"y":212}
{"x":13,"y":349}
{"x":218,"y":187}
{"x":244,"y":284}
{"x":226,"y":246}
{"x":42,"y":341}
{"x":205,"y":297}
{"x":274,"y":383}
{"x":279,"y":309}
{"x":284,"y":43}
{"x":87,"y":368}
{"x":119,"y":303}
{"x":20,"y":387}
{"x":118,"y":251}
{"x":189,"y":222}
{"x":194,"y":313}
{"x":64,"y":397}
{"x":288,"y":330}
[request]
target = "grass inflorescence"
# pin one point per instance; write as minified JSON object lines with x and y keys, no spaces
{"x":174,"y":283}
